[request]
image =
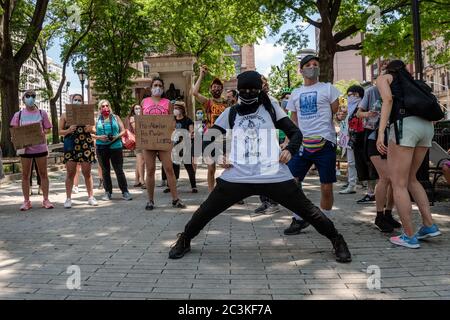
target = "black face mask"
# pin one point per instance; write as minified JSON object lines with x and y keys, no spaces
{"x":250,"y":102}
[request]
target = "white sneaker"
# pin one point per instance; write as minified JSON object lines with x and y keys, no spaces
{"x":68,"y":204}
{"x":75,"y":189}
{"x":92,"y":202}
{"x":348,"y":190}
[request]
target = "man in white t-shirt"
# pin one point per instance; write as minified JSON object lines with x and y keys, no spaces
{"x":313,"y":106}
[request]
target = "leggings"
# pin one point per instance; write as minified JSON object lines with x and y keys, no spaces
{"x":286,"y":193}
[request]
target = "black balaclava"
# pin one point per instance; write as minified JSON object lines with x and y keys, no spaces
{"x":249,"y":101}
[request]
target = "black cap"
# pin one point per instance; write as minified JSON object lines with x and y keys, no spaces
{"x":249,"y":80}
{"x":307,"y":59}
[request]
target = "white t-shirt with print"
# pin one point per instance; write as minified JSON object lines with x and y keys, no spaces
{"x":313,"y":107}
{"x":255,"y":151}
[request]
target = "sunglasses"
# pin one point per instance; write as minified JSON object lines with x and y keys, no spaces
{"x":76,"y":100}
{"x":105,"y":106}
{"x":30,"y":95}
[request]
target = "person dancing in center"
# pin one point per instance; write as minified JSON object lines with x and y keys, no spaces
{"x":252,"y":119}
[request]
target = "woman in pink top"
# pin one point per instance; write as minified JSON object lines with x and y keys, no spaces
{"x":31,"y":114}
{"x":158,"y":105}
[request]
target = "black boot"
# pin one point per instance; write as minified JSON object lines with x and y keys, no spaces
{"x":296,"y":227}
{"x":180,"y":248}
{"x":341,"y":251}
{"x":390,"y":219}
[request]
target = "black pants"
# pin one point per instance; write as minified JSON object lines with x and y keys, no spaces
{"x":38,"y":177}
{"x":106,"y":157}
{"x":287,"y":193}
{"x":364,"y":167}
{"x":176,"y":168}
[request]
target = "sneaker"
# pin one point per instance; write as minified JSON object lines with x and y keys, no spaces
{"x":262,"y":208}
{"x":25,"y":206}
{"x":273,"y":208}
{"x":137,"y":185}
{"x":348,"y":190}
{"x":394,"y":223}
{"x":178,"y":204}
{"x":344,"y":186}
{"x":366,"y":199}
{"x":150,"y":205}
{"x":68,"y":203}
{"x":47,"y":204}
{"x":194,"y":190}
{"x":92,"y":202}
{"x":405,"y":241}
{"x":296,"y":227}
{"x":428,"y":232}
{"x":75,"y":189}
{"x":166,"y":190}
{"x":107,"y":196}
{"x":341,"y":251}
{"x":180,"y":248}
{"x":126,"y":196}
{"x":383,"y":225}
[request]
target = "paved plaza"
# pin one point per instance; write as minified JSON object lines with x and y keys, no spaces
{"x":122,"y":250}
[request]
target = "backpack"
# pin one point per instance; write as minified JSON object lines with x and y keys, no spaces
{"x":233,"y":112}
{"x":417,"y":99}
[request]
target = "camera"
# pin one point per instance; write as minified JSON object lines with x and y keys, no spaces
{"x":110,"y":137}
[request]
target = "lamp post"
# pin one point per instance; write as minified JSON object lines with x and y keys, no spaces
{"x":418,"y":62}
{"x":288,"y":76}
{"x":82,"y":76}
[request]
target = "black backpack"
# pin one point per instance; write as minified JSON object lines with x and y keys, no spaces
{"x":418,"y":99}
{"x":233,"y":112}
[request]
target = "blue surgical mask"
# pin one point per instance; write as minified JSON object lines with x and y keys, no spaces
{"x":199,"y":115}
{"x":29,"y":102}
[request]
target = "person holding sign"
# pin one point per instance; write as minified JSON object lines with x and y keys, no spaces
{"x":156,"y":104}
{"x":79,"y":150}
{"x":31,"y":115}
{"x":109,"y":131}
{"x":253,"y":170}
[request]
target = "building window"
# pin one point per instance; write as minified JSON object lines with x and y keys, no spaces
{"x":146,"y":70}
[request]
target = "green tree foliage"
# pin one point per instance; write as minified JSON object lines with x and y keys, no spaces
{"x":122,"y":35}
{"x":278,"y":75}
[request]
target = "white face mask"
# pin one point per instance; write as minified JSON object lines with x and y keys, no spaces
{"x":177,"y":112}
{"x":157,"y":92}
{"x":137,"y":111}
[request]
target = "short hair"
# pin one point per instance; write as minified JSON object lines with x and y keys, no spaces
{"x":234,"y":92}
{"x":357,"y":89}
{"x":216,"y":81}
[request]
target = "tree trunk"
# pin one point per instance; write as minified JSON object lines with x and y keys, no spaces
{"x":9,"y":87}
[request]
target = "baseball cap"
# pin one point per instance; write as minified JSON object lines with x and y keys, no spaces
{"x":307,"y":59}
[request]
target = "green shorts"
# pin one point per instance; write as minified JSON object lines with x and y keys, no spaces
{"x":417,"y":132}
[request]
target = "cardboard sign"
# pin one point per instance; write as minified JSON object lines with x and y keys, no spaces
{"x":154,"y":132}
{"x":27,"y":136}
{"x":81,"y":115}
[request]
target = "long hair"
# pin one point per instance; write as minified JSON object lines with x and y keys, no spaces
{"x":265,"y":100}
{"x":397,"y":67}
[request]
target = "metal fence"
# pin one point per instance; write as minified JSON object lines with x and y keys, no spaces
{"x":442,"y":134}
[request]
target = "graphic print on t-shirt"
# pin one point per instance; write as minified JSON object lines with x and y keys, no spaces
{"x":308,"y":104}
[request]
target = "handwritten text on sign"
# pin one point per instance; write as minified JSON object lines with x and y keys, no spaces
{"x":27,"y":136}
{"x":82,"y":115}
{"x":154,"y":132}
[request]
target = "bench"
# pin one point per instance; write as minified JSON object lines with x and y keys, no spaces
{"x":11,"y":162}
{"x":437,"y":157}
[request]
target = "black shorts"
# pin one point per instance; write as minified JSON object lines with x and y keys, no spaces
{"x":372,"y":150}
{"x":34,"y":156}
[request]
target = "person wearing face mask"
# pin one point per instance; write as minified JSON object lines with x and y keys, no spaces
{"x":109,"y":132}
{"x":183,"y":123}
{"x":157,"y":104}
{"x":313,"y":106}
{"x":214,"y":107}
{"x":354,"y":132}
{"x":130,"y":124}
{"x":249,"y":170}
{"x":79,"y":151}
{"x":29,"y":115}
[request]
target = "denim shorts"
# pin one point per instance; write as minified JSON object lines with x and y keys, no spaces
{"x":324,"y":160}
